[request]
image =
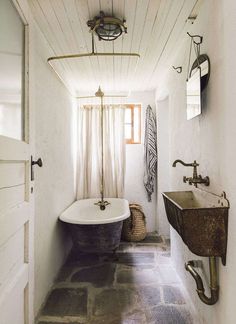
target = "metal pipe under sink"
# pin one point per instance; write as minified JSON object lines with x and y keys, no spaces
{"x":189,"y":266}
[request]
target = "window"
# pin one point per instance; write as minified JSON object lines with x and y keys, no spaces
{"x":12,"y":71}
{"x":133,"y":124}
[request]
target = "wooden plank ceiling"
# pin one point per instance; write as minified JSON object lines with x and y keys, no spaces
{"x":154,"y":31}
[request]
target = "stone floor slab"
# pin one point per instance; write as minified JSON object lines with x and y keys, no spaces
{"x":106,"y":320}
{"x":173,"y":295}
{"x":163,"y":258}
{"x":146,"y":248}
{"x":136,"y":277}
{"x":59,"y":323}
{"x":82,"y":259}
{"x":152,"y":238}
{"x":65,"y":273}
{"x":126,"y":247}
{"x":66,"y":302}
{"x":136,"y":317}
{"x":114,"y":301}
{"x":169,"y":315}
{"x":99,"y":276}
{"x":136,"y":258}
{"x":137,"y":285}
{"x":167,"y":274}
{"x":150,"y":296}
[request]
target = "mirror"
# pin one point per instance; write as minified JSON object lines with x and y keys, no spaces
{"x":197,"y":82}
{"x":194,"y":95}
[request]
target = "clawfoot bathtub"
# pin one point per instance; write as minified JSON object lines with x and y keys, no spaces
{"x":95,"y":230}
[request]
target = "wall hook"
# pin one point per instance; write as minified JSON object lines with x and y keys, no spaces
{"x":194,"y":37}
{"x":178,"y":69}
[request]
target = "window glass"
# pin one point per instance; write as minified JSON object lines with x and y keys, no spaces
{"x":133,"y":124}
{"x":136,"y":124}
{"x":11,"y":71}
{"x":128,"y":131}
{"x":128,"y":114}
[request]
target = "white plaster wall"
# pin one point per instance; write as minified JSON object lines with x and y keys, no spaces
{"x":163,"y":179}
{"x":210,"y":139}
{"x":54,"y":182}
{"x":134,"y":188}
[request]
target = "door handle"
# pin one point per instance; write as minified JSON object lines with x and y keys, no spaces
{"x":39,"y":162}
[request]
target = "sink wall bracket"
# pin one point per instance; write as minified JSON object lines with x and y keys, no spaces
{"x":214,"y":287}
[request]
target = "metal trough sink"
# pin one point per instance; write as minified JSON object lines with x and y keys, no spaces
{"x":201,"y":219}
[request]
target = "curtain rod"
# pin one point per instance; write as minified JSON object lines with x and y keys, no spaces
{"x":61,"y":57}
{"x":78,"y":55}
{"x":92,"y":53}
{"x":88,"y":106}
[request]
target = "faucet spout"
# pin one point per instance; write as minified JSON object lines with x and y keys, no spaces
{"x":195,"y":179}
{"x":102,"y":204}
{"x":194,"y":164}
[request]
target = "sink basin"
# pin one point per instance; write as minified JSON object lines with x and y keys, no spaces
{"x":201,"y":219}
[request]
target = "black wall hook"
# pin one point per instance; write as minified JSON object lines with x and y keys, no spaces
{"x":178,"y":69}
{"x":194,"y":36}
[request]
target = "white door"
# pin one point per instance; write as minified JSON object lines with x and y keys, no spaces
{"x":16,"y":212}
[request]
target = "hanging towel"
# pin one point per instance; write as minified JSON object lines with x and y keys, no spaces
{"x":150,"y":152}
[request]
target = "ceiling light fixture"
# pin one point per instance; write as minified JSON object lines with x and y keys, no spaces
{"x":107,"y":28}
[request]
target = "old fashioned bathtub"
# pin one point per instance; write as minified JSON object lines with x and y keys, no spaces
{"x":95,"y":230}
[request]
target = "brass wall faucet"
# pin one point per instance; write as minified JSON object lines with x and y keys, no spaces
{"x":195,"y":179}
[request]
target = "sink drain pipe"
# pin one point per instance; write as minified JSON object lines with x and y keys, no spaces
{"x":189,"y":266}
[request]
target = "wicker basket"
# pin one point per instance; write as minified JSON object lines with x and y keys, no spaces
{"x":134,"y":227}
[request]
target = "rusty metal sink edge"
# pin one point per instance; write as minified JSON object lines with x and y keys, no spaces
{"x":200,"y":219}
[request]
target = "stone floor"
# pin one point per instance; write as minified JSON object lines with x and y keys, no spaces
{"x":137,"y":286}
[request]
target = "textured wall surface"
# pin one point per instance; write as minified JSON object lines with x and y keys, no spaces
{"x":163,"y":179}
{"x":54,"y":182}
{"x":209,"y":139}
{"x":134,"y":188}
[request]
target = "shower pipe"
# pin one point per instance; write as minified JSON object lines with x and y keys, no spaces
{"x":102,"y":203}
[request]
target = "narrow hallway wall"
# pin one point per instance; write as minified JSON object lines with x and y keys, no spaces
{"x":54,"y":182}
{"x":209,"y":139}
{"x":163,"y":179}
{"x":134,"y":188}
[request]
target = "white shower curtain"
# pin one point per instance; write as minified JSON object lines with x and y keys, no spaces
{"x":89,"y":151}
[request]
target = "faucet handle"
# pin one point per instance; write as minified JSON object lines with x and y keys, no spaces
{"x":189,"y":180}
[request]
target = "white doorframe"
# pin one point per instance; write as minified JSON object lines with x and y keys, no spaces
{"x":17,"y":205}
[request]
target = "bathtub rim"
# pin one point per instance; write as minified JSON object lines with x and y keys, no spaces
{"x":64,"y":218}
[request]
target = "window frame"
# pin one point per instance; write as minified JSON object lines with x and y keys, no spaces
{"x":132,"y":107}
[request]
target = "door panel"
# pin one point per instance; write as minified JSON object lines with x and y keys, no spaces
{"x":13,"y":150}
{"x":12,"y":174}
{"x":12,"y":221}
{"x":14,"y":231}
{"x":16,"y":211}
{"x":13,"y":261}
{"x":14,"y":300}
{"x":11,"y":197}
